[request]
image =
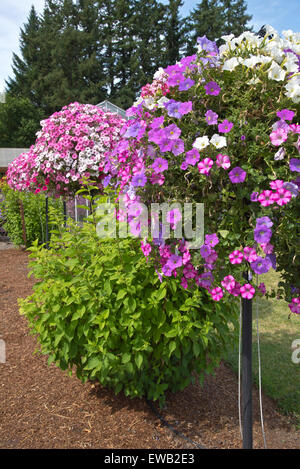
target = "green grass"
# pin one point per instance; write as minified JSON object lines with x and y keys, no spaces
{"x":280,"y":376}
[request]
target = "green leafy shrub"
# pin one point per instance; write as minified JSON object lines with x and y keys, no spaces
{"x":99,"y":307}
{"x":34,"y":206}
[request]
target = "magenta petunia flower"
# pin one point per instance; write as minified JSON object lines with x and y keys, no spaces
{"x":247,"y":291}
{"x":286,"y":114}
{"x":212,"y":88}
{"x":237,"y":175}
{"x":225,"y":126}
{"x":236,"y":257}
{"x":262,"y":288}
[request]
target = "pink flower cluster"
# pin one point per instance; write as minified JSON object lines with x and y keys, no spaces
{"x":73,"y":143}
{"x":278,"y":194}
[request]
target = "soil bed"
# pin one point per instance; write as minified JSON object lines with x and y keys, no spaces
{"x":42,"y":407}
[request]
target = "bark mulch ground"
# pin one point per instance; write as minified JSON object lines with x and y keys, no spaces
{"x":42,"y":407}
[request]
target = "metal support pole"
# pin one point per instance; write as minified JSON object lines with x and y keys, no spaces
{"x":65,"y":212}
{"x":47,"y":223}
{"x":247,"y":373}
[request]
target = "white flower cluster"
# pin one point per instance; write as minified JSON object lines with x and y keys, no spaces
{"x":280,"y":55}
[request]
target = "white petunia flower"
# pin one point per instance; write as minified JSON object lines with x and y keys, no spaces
{"x":293,"y":89}
{"x":201,"y":142}
{"x":276,"y":72}
{"x":230,"y":64}
{"x":161,"y":102}
{"x":218,"y":141}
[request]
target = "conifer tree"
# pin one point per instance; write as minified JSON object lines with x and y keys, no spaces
{"x":174,"y":32}
{"x":215,"y":18}
{"x":26,"y":66}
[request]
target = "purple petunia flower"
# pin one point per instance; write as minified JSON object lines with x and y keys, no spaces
{"x":254,"y":197}
{"x":186,"y":84}
{"x":293,"y":188}
{"x":264,"y":221}
{"x":211,"y":239}
{"x":156,"y":135}
{"x":207,"y":45}
{"x":295,"y":165}
{"x":212,"y":88}
{"x":261,"y":265}
{"x":211,"y":117}
{"x":172,"y":108}
{"x":192,"y":157}
{"x":237,"y":175}
{"x":157,"y":122}
{"x":177,"y":146}
{"x":133,"y":130}
{"x":185,"y":108}
{"x":205,"y":251}
{"x":272,"y":259}
{"x":165,"y":145}
{"x":106,"y":180}
{"x":174,"y":262}
{"x":262,"y":234}
{"x":172,"y":131}
{"x":160,"y":165}
{"x":139,"y":179}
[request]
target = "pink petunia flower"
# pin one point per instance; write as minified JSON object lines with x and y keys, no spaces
{"x":250,"y":254}
{"x":223,"y":161}
{"x":282,"y":196}
{"x":247,"y":291}
{"x":265,"y":198}
{"x":228,"y":282}
{"x":236,"y":257}
{"x":216,"y":293}
{"x":278,"y":137}
{"x":205,"y":165}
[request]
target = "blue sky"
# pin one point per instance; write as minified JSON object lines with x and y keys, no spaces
{"x":281,"y":14}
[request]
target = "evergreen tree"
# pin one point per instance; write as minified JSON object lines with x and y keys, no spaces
{"x":26,"y":66}
{"x":19,"y":122}
{"x":215,"y":18}
{"x":174,"y":32}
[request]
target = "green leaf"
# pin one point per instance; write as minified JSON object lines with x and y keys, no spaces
{"x":138,"y":360}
